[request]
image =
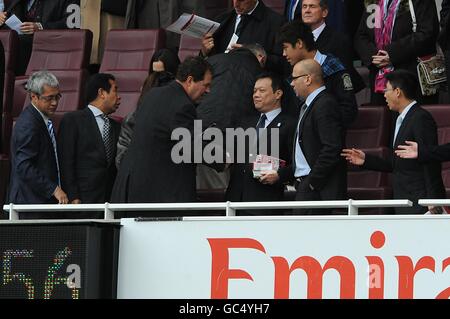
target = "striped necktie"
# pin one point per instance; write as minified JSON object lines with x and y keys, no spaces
{"x":51,"y":132}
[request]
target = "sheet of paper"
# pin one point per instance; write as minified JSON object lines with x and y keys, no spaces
{"x":14,"y":23}
{"x":193,"y":25}
{"x":234,"y":40}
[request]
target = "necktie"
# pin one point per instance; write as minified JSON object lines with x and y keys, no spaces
{"x":398,"y":124}
{"x":51,"y":132}
{"x":107,"y":139}
{"x":32,"y":10}
{"x":261,"y":123}
{"x":302,"y":112}
{"x":241,"y":24}
{"x":292,"y":8}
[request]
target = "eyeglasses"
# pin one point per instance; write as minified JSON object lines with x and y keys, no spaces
{"x":50,"y":98}
{"x":298,"y":76}
{"x":387,"y":90}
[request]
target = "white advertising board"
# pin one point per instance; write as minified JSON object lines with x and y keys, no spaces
{"x":292,"y":257}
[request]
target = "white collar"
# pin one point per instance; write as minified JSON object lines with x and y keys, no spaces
{"x":317,"y":32}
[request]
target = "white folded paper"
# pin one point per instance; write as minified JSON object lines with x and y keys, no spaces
{"x":193,"y":25}
{"x":14,"y":23}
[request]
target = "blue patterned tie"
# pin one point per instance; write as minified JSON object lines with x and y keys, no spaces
{"x":107,"y":139}
{"x":51,"y":132}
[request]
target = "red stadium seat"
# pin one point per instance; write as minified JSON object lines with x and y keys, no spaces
{"x":371,"y":129}
{"x":369,"y":132}
{"x":127,"y":56}
{"x":129,"y":84}
{"x":60,"y":50}
{"x":189,"y":46}
{"x":131,"y":49}
{"x":10,"y":43}
{"x":441,"y":114}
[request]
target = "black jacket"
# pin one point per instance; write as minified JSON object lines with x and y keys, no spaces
{"x":231,"y":95}
{"x":34,"y":172}
{"x":261,"y":28}
{"x":242,"y":186}
{"x":85,"y":173}
{"x":321,"y":140}
{"x":340,"y":45}
{"x":411,"y":179}
{"x":440,"y":153}
{"x":445,"y":26}
{"x":406,"y":45}
{"x":52,"y":14}
{"x":147,"y":172}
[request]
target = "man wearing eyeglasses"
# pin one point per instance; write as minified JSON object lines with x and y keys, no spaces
{"x":35,"y":173}
{"x":298,"y":44}
{"x":320,"y":173}
{"x":410,"y":179}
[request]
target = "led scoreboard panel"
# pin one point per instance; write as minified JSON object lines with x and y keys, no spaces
{"x":74,"y":260}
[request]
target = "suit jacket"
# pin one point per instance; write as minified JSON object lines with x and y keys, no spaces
{"x":231,"y":95}
{"x":340,"y":46}
{"x":85,"y":173}
{"x":147,"y":172}
{"x":440,"y":153}
{"x":411,"y":179}
{"x":406,"y":45}
{"x":34,"y":172}
{"x":52,"y":14}
{"x":242,"y":186}
{"x":262,"y":27}
{"x":298,"y":9}
{"x":445,"y":25}
{"x":321,"y":139}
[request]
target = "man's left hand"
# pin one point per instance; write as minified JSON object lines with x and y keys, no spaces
{"x":29,"y":27}
{"x":269,"y":177}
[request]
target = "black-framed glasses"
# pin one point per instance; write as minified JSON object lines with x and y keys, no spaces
{"x":49,"y":98}
{"x":298,"y":76}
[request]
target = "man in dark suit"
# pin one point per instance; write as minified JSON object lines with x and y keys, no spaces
{"x":35,"y":174}
{"x":444,"y":39}
{"x":36,"y":15}
{"x":298,"y":44}
{"x":328,"y":40}
{"x":424,"y":153}
{"x":87,"y":142}
{"x":243,"y":186}
{"x":152,"y":170}
{"x":249,"y":22}
{"x":319,"y":171}
{"x":404,"y":47}
{"x":411,"y":180}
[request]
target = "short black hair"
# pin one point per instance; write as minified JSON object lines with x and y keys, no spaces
{"x":277,"y":83}
{"x":296,"y":30}
{"x":96,"y":82}
{"x":405,"y":81}
{"x":195,"y":66}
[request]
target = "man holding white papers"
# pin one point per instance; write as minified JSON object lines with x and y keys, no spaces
{"x":267,"y":185}
{"x":35,"y":15}
{"x":249,"y":22}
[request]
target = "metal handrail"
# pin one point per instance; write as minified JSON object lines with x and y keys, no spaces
{"x":229,"y":208}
